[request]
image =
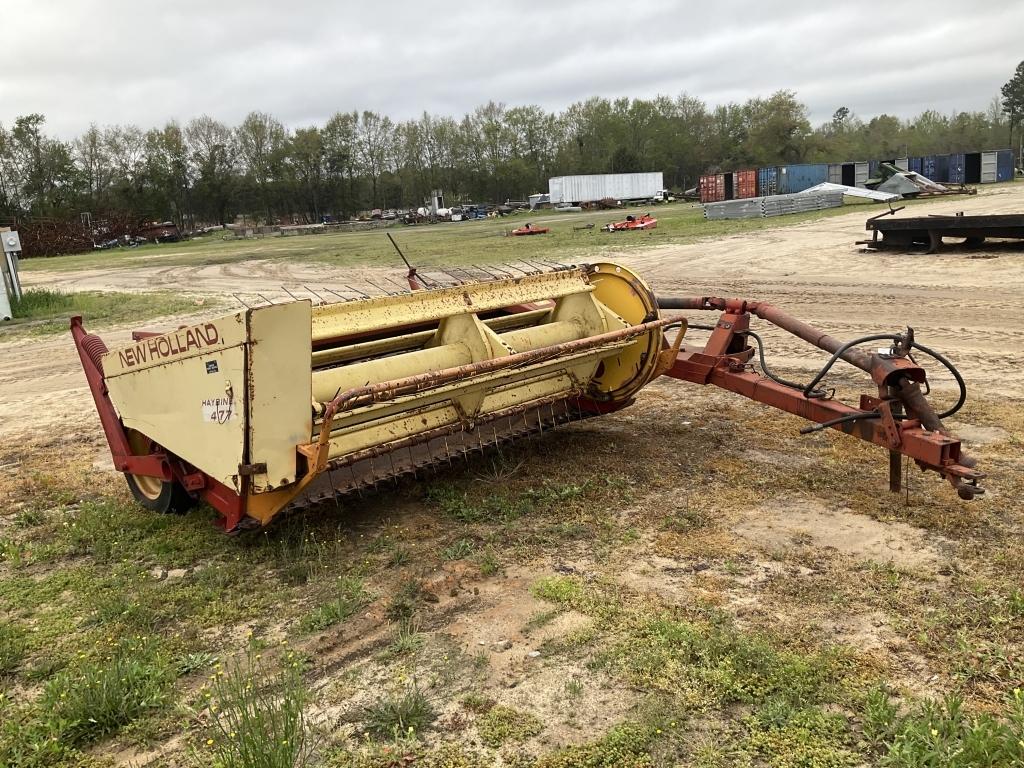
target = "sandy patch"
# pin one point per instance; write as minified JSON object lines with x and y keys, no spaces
{"x":794,"y":522}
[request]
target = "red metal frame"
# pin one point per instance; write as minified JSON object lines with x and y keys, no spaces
{"x":724,"y":362}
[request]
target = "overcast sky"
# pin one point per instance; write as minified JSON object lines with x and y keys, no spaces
{"x":146,"y":61}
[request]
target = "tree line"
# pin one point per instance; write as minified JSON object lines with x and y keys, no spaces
{"x":207,"y":172}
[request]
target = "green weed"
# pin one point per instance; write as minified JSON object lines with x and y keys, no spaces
{"x":574,"y":688}
{"x":12,"y":646}
{"x":399,"y":557}
{"x":84,"y":702}
{"x":477,"y":703}
{"x":943,"y":733}
{"x":257,"y":715}
{"x":405,"y":714}
{"x":624,"y":746}
{"x":95,"y":698}
{"x":488,"y":563}
{"x":350,"y":598}
{"x":502,"y":724}
{"x":193,"y":662}
{"x":404,"y":602}
{"x":787,"y":736}
{"x":407,"y":639}
{"x":459,"y":550}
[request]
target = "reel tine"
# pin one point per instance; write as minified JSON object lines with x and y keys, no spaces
{"x":379,"y":288}
{"x":364,"y":294}
{"x":404,"y":288}
{"x":314,"y":293}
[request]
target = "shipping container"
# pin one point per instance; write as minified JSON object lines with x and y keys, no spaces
{"x":744,"y":184}
{"x":972,"y":167}
{"x":928,"y":167}
{"x":873,"y":166}
{"x":712,"y":188}
{"x":903,"y":163}
{"x":1004,"y":165}
{"x":988,"y":167}
{"x":915,"y":164}
{"x":860,"y":174}
{"x":846,"y":173}
{"x":767,"y":181}
{"x":619,"y":186}
{"x":797,"y":178}
{"x":957,"y":168}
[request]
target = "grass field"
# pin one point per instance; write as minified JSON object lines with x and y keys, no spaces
{"x":41,"y":311}
{"x":660,"y":638}
{"x":468,"y":242}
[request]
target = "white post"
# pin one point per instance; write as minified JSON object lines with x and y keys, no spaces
{"x":5,"y":304}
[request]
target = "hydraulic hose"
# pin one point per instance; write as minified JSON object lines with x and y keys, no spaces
{"x":910,"y":392}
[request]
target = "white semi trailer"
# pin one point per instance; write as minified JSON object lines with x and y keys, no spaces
{"x":624,"y":187}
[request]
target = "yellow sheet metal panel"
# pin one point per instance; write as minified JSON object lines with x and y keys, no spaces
{"x":327,"y":383}
{"x":193,"y":406}
{"x":384,"y":422}
{"x":626,"y":295}
{"x":182,"y":344}
{"x":354,"y":317}
{"x":280,"y":416}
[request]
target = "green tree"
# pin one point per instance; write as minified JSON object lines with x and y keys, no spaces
{"x":262,"y":142}
{"x":213,"y":153}
{"x":1013,"y":98}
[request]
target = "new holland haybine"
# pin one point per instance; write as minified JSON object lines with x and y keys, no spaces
{"x":286,"y":405}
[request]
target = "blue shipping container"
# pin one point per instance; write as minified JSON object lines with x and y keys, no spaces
{"x":941,"y":168}
{"x":797,"y":178}
{"x":915,"y":164}
{"x":957,"y":168}
{"x":928,"y":166}
{"x":767,"y":181}
{"x":1004,"y":165}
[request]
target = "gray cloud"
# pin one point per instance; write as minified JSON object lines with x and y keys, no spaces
{"x":145,"y":62}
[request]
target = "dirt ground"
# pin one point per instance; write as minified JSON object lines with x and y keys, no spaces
{"x":958,"y":302}
{"x":774,"y":545}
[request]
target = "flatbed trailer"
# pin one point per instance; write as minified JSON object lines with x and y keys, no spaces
{"x":925,"y":233}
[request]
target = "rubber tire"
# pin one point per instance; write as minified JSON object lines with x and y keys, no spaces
{"x":173,"y":498}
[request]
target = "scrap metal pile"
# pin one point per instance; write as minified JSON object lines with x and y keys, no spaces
{"x":773,"y":205}
{"x":911,"y":184}
{"x":288,"y":405}
{"x":56,"y":237}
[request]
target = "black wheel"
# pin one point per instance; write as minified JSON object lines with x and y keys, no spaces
{"x":165,"y":497}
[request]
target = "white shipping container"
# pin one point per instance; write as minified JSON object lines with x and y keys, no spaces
{"x":989,"y":162}
{"x":620,"y":186}
{"x":861,"y":174}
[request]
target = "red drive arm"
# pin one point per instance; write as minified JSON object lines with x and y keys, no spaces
{"x":899,"y":418}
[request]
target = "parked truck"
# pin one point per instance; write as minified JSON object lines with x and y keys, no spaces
{"x":624,"y":187}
